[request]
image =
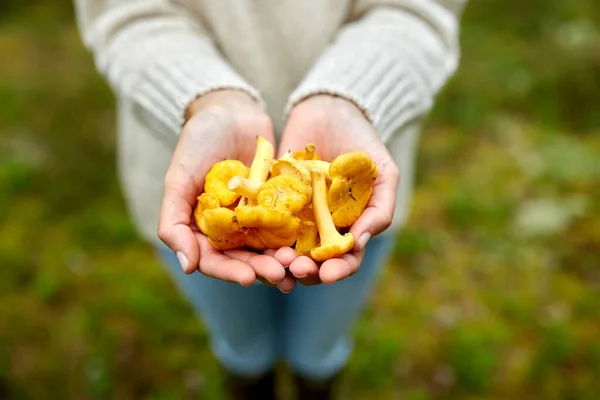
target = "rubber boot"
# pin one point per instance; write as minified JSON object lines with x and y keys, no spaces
{"x":311,"y":389}
{"x":244,"y":388}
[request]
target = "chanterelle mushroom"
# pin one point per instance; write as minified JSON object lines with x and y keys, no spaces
{"x":206,"y":201}
{"x":220,"y":224}
{"x":284,"y":193}
{"x":267,"y":228}
{"x":307,"y":154}
{"x":244,"y":187}
{"x":218,"y":177}
{"x":287,"y":192}
{"x":261,"y":165}
{"x":222,"y":229}
{"x":352,"y":178}
{"x":308,"y":234}
{"x":291,"y":166}
{"x":318,"y":164}
{"x":332,"y":243}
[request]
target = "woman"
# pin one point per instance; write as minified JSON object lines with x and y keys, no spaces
{"x":197,"y":80}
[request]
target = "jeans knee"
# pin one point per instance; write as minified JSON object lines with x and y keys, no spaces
{"x":247,"y":355}
{"x":319,"y":361}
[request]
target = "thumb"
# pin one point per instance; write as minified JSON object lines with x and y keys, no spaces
{"x":378,"y":214}
{"x":175,"y":218}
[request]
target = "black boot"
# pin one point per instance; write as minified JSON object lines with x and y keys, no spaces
{"x":243,"y":388}
{"x":311,"y":389}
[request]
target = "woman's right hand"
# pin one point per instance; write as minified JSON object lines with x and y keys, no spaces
{"x":221,"y":125}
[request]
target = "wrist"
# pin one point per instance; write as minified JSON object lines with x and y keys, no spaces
{"x":330,"y":105}
{"x":220,"y":98}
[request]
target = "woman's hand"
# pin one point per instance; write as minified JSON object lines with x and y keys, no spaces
{"x":220,"y":125}
{"x":337,"y":126}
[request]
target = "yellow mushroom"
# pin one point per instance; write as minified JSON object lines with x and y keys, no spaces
{"x":244,"y":187}
{"x":220,"y":224}
{"x":267,"y":228}
{"x":291,"y":166}
{"x":206,"y":201}
{"x":352,"y":178}
{"x":261,"y":165}
{"x":284,"y":193}
{"x":270,"y":222}
{"x":307,"y":154}
{"x":318,"y":164}
{"x":218,"y":177}
{"x":332,"y":244}
{"x":222,"y":229}
{"x":308,"y":234}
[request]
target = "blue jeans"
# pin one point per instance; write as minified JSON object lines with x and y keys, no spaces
{"x":251,"y":328}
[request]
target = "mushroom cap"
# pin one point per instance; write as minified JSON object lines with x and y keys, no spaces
{"x":206,"y":201}
{"x":267,"y":228}
{"x":352,"y":178}
{"x":261,"y":239}
{"x":291,"y":166}
{"x":285,"y":193}
{"x":218,"y":177}
{"x":324,"y":252}
{"x":221,"y":227}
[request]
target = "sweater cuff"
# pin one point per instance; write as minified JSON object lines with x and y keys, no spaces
{"x":390,"y":65}
{"x":169,"y":88}
{"x":377,"y":84}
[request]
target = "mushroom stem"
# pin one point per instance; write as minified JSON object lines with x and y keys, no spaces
{"x":259,"y":170}
{"x":318,"y":164}
{"x":261,"y":165}
{"x":327,"y":230}
{"x":310,"y":151}
{"x":244,"y":187}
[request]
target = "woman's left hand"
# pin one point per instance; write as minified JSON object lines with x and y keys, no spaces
{"x":336,"y":126}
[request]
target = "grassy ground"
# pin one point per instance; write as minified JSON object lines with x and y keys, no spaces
{"x":494,"y":286}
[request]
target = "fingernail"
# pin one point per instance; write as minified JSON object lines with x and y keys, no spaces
{"x":284,"y":292}
{"x":364,"y":238}
{"x":182,"y":260}
{"x":302,"y":277}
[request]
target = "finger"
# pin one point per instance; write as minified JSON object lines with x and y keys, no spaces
{"x":217,"y":265}
{"x":304,"y":267}
{"x":285,"y":255}
{"x":287,"y":284}
{"x":378,"y":214}
{"x":175,"y":218}
{"x":270,"y":252}
{"x":264,"y":265}
{"x":336,"y":269}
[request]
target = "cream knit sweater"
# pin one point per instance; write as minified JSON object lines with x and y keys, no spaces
{"x":389,"y":57}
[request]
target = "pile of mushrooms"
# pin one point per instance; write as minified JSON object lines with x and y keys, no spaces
{"x":297,"y":200}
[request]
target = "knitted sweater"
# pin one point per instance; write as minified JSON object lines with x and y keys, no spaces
{"x":389,"y":57}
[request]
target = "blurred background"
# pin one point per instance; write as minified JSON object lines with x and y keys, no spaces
{"x":494,"y":288}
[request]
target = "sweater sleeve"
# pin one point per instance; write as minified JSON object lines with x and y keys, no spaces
{"x":151,"y":52}
{"x":391,"y":59}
